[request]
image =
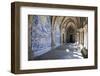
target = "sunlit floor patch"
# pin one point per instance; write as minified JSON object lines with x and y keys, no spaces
{"x":67,"y":50}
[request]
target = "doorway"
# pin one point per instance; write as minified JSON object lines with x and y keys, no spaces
{"x":71,"y":38}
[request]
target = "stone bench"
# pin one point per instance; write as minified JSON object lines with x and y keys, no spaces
{"x":84,"y":52}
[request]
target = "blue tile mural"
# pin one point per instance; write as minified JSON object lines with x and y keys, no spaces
{"x":57,"y":36}
{"x":41,"y":34}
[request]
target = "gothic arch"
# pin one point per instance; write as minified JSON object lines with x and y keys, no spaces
{"x":68,"y":31}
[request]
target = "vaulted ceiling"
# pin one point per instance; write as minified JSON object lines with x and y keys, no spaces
{"x":66,"y":21}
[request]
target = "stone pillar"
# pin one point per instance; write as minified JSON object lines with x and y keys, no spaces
{"x":30,"y":18}
{"x":52,"y":38}
{"x":85,"y":37}
{"x":82,"y":37}
{"x":78,"y":39}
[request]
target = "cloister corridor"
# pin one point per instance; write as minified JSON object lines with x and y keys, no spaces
{"x":57,"y":37}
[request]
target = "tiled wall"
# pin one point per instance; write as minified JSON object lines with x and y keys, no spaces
{"x":41,"y":34}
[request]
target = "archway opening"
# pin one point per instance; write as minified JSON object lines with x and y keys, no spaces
{"x":70,"y":34}
{"x":72,"y":39}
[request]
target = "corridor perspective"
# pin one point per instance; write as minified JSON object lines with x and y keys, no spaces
{"x":57,"y":37}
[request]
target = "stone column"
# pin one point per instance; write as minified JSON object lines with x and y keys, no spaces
{"x":52,"y":37}
{"x":85,"y":37}
{"x":30,"y":18}
{"x":78,"y":37}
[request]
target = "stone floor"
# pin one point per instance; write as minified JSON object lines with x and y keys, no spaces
{"x":67,"y":51}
